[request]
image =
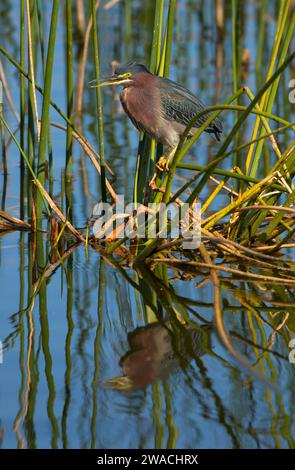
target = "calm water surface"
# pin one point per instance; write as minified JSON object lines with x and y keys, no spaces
{"x":65,"y":354}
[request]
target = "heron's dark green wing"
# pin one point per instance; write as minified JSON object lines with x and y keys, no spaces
{"x":180,"y":105}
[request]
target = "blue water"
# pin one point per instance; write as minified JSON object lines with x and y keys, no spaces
{"x":54,"y":389}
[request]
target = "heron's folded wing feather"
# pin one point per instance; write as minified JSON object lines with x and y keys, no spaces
{"x":180,"y":105}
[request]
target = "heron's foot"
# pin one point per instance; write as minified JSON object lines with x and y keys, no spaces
{"x":163,"y":164}
{"x":151,"y":183}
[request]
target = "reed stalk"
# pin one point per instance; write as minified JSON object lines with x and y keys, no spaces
{"x":147,"y":147}
{"x":70,"y":89}
{"x":45,"y":108}
{"x":98,"y":101}
{"x":22,"y":108}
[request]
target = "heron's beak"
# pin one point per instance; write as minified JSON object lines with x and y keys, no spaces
{"x":114,"y":80}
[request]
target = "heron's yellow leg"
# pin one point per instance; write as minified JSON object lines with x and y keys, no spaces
{"x":164,"y":161}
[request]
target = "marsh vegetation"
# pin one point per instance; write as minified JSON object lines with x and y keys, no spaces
{"x":104,"y":333}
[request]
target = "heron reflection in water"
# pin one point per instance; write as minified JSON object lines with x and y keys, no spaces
{"x":156,"y":351}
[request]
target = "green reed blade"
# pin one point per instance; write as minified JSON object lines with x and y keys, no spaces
{"x":98,"y":101}
{"x":22,"y":108}
{"x":70,"y":101}
{"x":45,"y":108}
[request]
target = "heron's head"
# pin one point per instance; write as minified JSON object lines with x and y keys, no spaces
{"x":124,"y":74}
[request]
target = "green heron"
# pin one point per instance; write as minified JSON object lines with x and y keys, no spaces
{"x":158,"y":106}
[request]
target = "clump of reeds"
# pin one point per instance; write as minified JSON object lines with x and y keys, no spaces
{"x":254,"y":227}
